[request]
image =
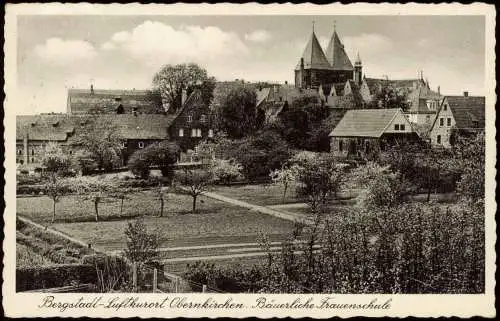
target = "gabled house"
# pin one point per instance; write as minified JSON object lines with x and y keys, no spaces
{"x":362,"y":132}
{"x":465,"y":114}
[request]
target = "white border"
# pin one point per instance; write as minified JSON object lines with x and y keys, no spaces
{"x":25,"y":305}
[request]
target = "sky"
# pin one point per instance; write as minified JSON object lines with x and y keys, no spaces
{"x":55,"y":53}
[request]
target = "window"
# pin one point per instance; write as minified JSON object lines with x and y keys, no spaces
{"x":210,"y":133}
{"x":441,"y":121}
{"x":341,"y":145}
{"x":19,"y":151}
{"x":439,"y":139}
{"x":141,"y":144}
{"x":32,"y":160}
{"x":448,"y":122}
{"x":71,"y":152}
{"x":124,"y":144}
{"x":428,"y":119}
{"x":189,"y":118}
{"x":32,"y":152}
{"x":198,"y":132}
{"x":402,"y":127}
{"x":445,"y":107}
{"x":396,"y":127}
{"x":203,"y":118}
{"x":181,"y":132}
{"x":193,"y":132}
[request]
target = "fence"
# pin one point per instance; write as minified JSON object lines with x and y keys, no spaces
{"x":155,"y":280}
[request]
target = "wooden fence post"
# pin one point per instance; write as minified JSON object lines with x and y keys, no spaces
{"x":177,"y":285}
{"x":134,"y":276}
{"x":204,"y":288}
{"x":155,"y":280}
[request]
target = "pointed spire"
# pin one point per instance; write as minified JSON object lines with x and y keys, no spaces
{"x":358,"y":60}
{"x":313,"y":25}
{"x":314,"y":57}
{"x":335,"y":53}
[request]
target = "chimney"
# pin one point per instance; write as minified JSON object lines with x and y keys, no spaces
{"x":466,"y":94}
{"x":439,"y":90}
{"x":183,"y":97}
{"x":92,"y":89}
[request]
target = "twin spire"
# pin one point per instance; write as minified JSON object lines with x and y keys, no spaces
{"x":336,"y":58}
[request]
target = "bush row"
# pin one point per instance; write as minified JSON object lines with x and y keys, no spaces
{"x":52,"y":276}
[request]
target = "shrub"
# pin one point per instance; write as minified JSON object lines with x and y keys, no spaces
{"x":226,"y":171}
{"x":138,"y":164}
{"x":113,"y":272}
{"x":52,"y":276}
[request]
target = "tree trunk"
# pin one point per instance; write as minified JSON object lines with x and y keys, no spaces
{"x":161,"y":207}
{"x":194,"y":203}
{"x":53,"y":211}
{"x":96,"y":207}
{"x":284,"y":193}
{"x":429,"y":189}
{"x":121,"y":205}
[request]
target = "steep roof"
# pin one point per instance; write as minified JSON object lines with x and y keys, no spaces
{"x":364,"y":122}
{"x":314,"y":57}
{"x":336,"y":55}
{"x":468,"y":111}
{"x":54,"y":127}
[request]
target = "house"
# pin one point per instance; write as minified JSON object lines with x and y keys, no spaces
{"x":465,"y":114}
{"x":138,"y":130}
{"x":192,"y":123}
{"x":362,"y":132}
{"x":107,"y":101}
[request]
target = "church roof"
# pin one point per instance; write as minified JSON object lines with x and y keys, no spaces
{"x":336,"y":55}
{"x":314,"y":57}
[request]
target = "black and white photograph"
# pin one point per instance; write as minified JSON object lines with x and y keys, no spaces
{"x":226,"y":154}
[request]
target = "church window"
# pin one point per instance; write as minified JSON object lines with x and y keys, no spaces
{"x":396,"y":127}
{"x":181,"y":132}
{"x":448,"y":122}
{"x":140,"y":144}
{"x":193,"y":132}
{"x":438,"y":139}
{"x":441,"y":121}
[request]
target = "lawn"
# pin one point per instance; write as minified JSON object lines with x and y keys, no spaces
{"x":214,"y":223}
{"x":262,"y":194}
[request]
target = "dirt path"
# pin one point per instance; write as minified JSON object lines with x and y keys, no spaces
{"x":262,"y":209}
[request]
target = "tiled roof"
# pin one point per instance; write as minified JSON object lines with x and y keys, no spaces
{"x":314,"y":57}
{"x":129,"y":126}
{"x":467,"y":111}
{"x":85,"y":100}
{"x":336,"y":55}
{"x":364,"y":122}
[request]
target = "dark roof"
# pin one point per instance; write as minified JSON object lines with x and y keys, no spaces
{"x":364,"y":122}
{"x":314,"y":57}
{"x":408,"y":84}
{"x":468,"y":111}
{"x":129,"y":126}
{"x":336,"y":55}
{"x":107,"y":100}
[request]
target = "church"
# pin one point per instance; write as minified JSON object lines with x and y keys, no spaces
{"x":315,"y":68}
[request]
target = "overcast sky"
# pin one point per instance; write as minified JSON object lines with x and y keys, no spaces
{"x":59,"y":52}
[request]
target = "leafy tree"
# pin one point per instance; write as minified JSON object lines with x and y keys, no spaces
{"x":285,"y":176}
{"x":55,"y":188}
{"x":142,"y":245}
{"x":385,"y":190}
{"x":299,"y":123}
{"x":95,"y":189}
{"x":56,"y":162}
{"x":139,"y":164}
{"x":470,"y":160}
{"x":225,"y":171}
{"x":238,"y":114}
{"x":164,"y":155}
{"x":218,"y":147}
{"x":84,"y":162}
{"x":170,"y":80}
{"x":262,"y":153}
{"x":102,"y":140}
{"x":387,"y":96}
{"x":196,"y":181}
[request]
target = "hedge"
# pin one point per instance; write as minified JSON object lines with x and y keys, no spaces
{"x":53,"y":276}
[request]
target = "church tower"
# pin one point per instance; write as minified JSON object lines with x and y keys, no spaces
{"x":312,"y":66}
{"x":338,"y":59}
{"x":358,"y":74}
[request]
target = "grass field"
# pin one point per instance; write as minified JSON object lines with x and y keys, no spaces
{"x":214,"y":223}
